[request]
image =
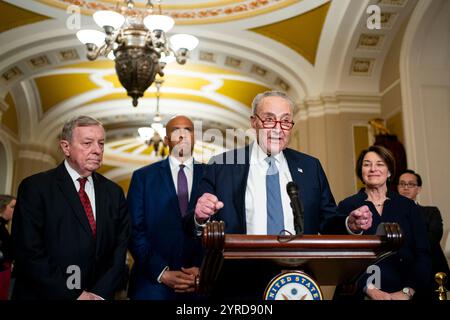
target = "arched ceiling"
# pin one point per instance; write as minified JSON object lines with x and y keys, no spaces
{"x":305,"y":47}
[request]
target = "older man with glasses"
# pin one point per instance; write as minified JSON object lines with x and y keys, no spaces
{"x":246,"y":188}
{"x":410,"y":185}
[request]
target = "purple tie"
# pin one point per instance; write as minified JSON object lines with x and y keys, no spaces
{"x":183,"y":196}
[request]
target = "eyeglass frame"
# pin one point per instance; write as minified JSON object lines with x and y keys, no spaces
{"x":409,"y":185}
{"x":281,"y":122}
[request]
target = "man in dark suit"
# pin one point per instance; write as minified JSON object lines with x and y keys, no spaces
{"x":160,"y":195}
{"x":410,"y":185}
{"x":71,"y":226}
{"x":246,"y":187}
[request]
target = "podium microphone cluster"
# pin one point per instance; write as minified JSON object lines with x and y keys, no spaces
{"x":297,"y":207}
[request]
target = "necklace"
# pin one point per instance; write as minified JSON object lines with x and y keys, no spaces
{"x":378,"y":204}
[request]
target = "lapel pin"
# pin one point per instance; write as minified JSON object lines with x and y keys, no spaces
{"x":300,"y":170}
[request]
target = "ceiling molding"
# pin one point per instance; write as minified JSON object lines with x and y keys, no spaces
{"x":333,"y":104}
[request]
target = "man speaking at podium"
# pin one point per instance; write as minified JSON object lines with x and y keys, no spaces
{"x":246,"y":187}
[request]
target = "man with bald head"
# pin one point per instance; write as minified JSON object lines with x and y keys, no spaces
{"x":160,"y":195}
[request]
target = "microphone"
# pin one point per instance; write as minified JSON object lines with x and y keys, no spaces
{"x":296,"y":205}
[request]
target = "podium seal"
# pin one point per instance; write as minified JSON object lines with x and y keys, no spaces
{"x":293,"y":285}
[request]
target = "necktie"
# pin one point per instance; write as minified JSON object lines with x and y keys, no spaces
{"x":87,"y":205}
{"x":182,"y":188}
{"x":275,"y":220}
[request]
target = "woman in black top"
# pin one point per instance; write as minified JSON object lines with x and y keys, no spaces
{"x":409,"y":270}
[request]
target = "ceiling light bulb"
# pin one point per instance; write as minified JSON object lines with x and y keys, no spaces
{"x":158,"y":22}
{"x":158,"y":127}
{"x":91,"y":36}
{"x":183,"y":41}
{"x":145,"y":133}
{"x":108,"y":18}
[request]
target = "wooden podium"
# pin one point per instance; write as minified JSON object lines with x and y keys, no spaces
{"x":329,"y":259}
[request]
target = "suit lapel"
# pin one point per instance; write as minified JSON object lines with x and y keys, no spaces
{"x":240,"y":177}
{"x":294,"y":169}
{"x":100,"y":209}
{"x":166,"y":177}
{"x":69,"y":192}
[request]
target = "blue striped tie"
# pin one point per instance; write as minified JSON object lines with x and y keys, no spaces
{"x":275,"y":220}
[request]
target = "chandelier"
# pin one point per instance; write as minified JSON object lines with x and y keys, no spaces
{"x":153,"y":135}
{"x":137,"y":39}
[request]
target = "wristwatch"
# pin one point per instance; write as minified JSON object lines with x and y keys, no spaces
{"x":407,"y":291}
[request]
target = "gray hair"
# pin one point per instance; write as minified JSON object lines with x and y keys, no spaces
{"x":5,"y":199}
{"x":78,"y":121}
{"x":260,"y":96}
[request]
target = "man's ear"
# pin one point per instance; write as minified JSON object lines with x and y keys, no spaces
{"x":166,"y":140}
{"x":389,"y":174}
{"x":65,"y":146}
{"x":253,"y":120}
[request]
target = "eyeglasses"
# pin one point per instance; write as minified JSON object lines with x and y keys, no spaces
{"x":409,"y":185}
{"x":270,"y":123}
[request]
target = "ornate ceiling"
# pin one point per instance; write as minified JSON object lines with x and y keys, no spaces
{"x":309,"y":48}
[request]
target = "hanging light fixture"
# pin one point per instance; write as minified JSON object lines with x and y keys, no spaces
{"x":154,"y":134}
{"x":138,"y":41}
{"x":157,"y":125}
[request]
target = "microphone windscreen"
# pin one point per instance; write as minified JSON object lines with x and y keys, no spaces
{"x":291,"y":187}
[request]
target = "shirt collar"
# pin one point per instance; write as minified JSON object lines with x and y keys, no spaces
{"x":74,"y":175}
{"x":259,"y":156}
{"x":175,"y":163}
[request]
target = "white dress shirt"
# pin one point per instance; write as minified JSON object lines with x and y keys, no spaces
{"x":89,"y":187}
{"x":255,"y":193}
{"x":188,"y":171}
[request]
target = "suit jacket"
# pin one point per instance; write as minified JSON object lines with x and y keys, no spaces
{"x":228,"y":181}
{"x":433,"y":221}
{"x":226,"y":177}
{"x":158,"y":239}
{"x":51,"y":232}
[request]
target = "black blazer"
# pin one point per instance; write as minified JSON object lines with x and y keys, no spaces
{"x":410,"y":266}
{"x":51,"y":232}
{"x":433,"y":221}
